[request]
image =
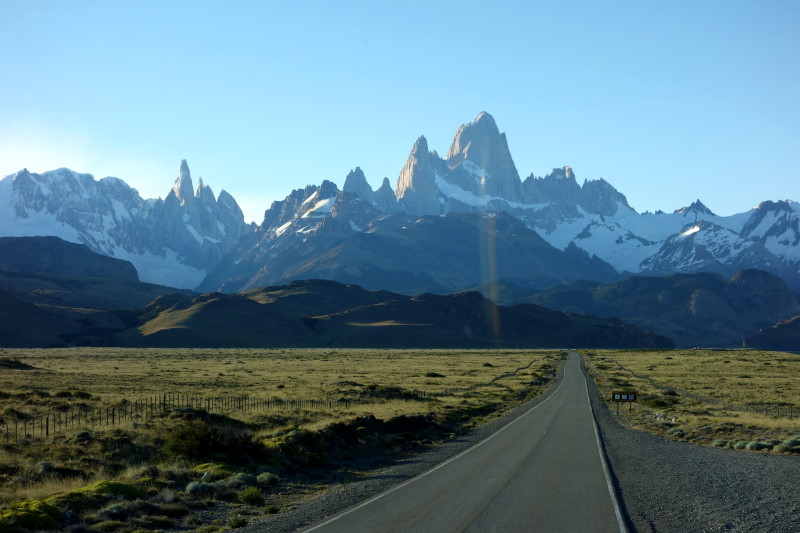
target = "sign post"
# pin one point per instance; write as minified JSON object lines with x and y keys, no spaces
{"x":618,"y":397}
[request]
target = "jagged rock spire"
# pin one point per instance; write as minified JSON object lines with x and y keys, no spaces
{"x":183,"y":189}
{"x":416,"y":186}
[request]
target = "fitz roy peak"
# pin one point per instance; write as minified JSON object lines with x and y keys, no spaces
{"x":435,"y":233}
{"x":450,"y":223}
{"x":171,"y":242}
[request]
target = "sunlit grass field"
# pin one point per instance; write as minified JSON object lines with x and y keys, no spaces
{"x":440,"y":391}
{"x":111,"y":375}
{"x":710,"y":388}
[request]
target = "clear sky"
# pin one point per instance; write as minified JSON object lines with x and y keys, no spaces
{"x":668,"y":101}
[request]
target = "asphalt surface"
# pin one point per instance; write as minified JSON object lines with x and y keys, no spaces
{"x":542,"y":472}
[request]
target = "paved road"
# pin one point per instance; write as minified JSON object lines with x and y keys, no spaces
{"x":542,"y":472}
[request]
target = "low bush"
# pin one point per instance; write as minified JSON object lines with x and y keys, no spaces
{"x":268,"y":479}
{"x":250,"y":496}
{"x":152,"y":523}
{"x":239,"y":481}
{"x":199,"y":489}
{"x":126,"y":510}
{"x":237,"y":522}
{"x":211,"y":439}
{"x":173,"y":510}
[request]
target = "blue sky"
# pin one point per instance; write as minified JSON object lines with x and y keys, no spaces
{"x":668,"y":101}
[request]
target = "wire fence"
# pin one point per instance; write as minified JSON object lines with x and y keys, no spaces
{"x":18,"y":426}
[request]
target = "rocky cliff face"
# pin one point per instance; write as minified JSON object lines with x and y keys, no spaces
{"x":383,"y":198}
{"x":170,"y":242}
{"x":417,"y":192}
{"x":479,"y":161}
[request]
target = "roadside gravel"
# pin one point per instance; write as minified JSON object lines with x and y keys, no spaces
{"x":340,"y":497}
{"x":668,"y":486}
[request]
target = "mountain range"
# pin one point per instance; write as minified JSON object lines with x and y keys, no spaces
{"x":44,"y":301}
{"x":700,"y":309}
{"x":450,"y":223}
{"x":170,"y":242}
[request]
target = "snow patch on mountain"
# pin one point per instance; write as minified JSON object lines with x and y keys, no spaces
{"x":690,"y":231}
{"x":172,"y":242}
{"x":320,"y":209}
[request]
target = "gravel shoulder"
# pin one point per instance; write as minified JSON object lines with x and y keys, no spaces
{"x":340,"y":497}
{"x":667,"y":486}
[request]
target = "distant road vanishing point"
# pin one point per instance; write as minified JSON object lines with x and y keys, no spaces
{"x":542,"y":472}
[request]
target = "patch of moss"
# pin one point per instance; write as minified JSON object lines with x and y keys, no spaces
{"x":94,"y":495}
{"x":214,"y":471}
{"x":213,"y":467}
{"x":31,"y":514}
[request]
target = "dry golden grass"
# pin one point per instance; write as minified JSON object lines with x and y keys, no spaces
{"x":471,"y":379}
{"x":715,"y":378}
{"x":114,"y":374}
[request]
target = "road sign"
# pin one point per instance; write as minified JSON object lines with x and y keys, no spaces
{"x":618,"y":397}
{"x":623,"y":396}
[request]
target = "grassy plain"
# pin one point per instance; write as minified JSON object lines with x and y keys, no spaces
{"x":199,"y":470}
{"x":744,"y":399}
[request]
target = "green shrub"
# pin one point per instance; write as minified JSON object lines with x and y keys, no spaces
{"x":198,"y":489}
{"x":268,"y":479}
{"x":756,"y":446}
{"x":173,"y":510}
{"x":240,"y":481}
{"x":236,"y":522}
{"x":272,"y":509}
{"x":677,"y":433}
{"x":739,"y":445}
{"x":126,"y":510}
{"x":202,"y":440}
{"x":250,"y":496}
{"x":781,"y":448}
{"x":719,"y":443}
